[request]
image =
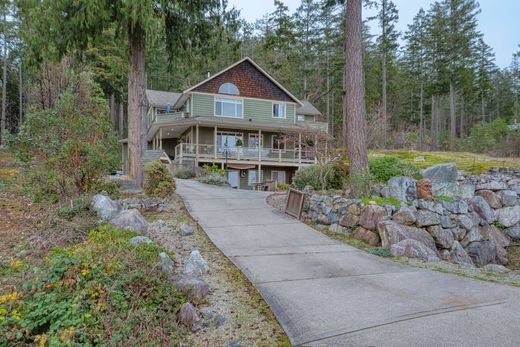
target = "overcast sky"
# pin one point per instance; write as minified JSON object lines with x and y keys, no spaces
{"x":499,"y":20}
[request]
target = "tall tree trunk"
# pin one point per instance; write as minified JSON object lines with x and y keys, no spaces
{"x":421,"y":118}
{"x":433,"y":125}
{"x":354,"y":102}
{"x":482,"y":108}
{"x":4,"y":81}
{"x":462,"y":115}
{"x":384,"y":103}
{"x":112,"y":106}
{"x":20,"y":95}
{"x":136,"y":103}
{"x":121,"y":119}
{"x":453,"y":124}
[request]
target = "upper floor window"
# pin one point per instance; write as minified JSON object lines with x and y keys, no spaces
{"x":226,"y":107}
{"x":279,"y":110}
{"x":300,"y":118}
{"x":228,"y":88}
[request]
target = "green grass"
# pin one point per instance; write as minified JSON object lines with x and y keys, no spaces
{"x":381,"y":201}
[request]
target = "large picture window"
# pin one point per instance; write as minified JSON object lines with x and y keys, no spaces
{"x":226,"y":107}
{"x":279,"y":110}
{"x":228,"y":141}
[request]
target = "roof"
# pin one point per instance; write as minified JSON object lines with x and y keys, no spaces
{"x":160,"y":98}
{"x":308,"y":109}
{"x":295,"y":99}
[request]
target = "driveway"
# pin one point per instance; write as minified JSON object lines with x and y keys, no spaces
{"x":326,"y":293}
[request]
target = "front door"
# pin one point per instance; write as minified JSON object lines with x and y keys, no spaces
{"x":234,"y":178}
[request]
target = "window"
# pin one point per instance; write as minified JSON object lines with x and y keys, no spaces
{"x":252,"y":176}
{"x":254,"y":142}
{"x":279,"y":110}
{"x":300,"y":118}
{"x":278,"y":143}
{"x":228,"y":141}
{"x":228,"y":88}
{"x":225,"y":107}
{"x":278,"y":176}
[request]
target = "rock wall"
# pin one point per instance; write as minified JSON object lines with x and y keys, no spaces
{"x":470,"y":220}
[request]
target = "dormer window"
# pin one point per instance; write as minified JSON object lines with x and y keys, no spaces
{"x":228,"y":88}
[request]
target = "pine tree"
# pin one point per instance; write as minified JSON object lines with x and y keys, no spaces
{"x":483,"y":72}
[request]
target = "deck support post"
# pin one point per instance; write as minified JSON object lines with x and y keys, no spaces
{"x":160,"y":138}
{"x":260,"y":147}
{"x":197,"y":145}
{"x":215,"y":143}
{"x":299,"y":148}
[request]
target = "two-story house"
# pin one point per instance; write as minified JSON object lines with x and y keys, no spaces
{"x":239,"y":119}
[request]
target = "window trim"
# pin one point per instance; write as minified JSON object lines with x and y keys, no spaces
{"x":235,"y":100}
{"x":284,"y":176}
{"x":298,"y":118}
{"x":284,"y":109}
{"x":228,"y":83}
{"x":276,"y":149}
{"x":258,"y":179}
{"x":250,"y":135}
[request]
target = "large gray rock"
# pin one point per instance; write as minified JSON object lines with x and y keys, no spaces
{"x":105,"y":207}
{"x":426,"y":218}
{"x":195,"y":265}
{"x":410,"y":248}
{"x":186,"y":229}
{"x":188,"y":314}
{"x":429,"y":205}
{"x":472,"y":236}
{"x":139,"y":239}
{"x":130,"y":219}
{"x":458,"y":233}
{"x":349,"y":220}
{"x":492,"y":185}
{"x":508,"y":216}
{"x":443,"y":237}
{"x":391,"y":232}
{"x":513,"y":232}
{"x":465,"y":222}
{"x":492,"y":233}
{"x":496,"y":268}
{"x":461,"y":191}
{"x":366,"y":235}
{"x":482,"y":253}
{"x":401,"y":188}
{"x":195,"y":288}
{"x":457,"y":206}
{"x":459,"y":256}
{"x":441,"y":173}
{"x":508,"y":198}
{"x":167,"y":264}
{"x":405,"y":216}
{"x":482,"y":208}
{"x":371,"y":215}
{"x":336,"y":228}
{"x":492,"y":198}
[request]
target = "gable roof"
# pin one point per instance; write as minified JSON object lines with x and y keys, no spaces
{"x":160,"y":98}
{"x":262,"y":71}
{"x":308,"y":109}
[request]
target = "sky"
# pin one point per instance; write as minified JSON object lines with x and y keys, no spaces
{"x":499,"y":20}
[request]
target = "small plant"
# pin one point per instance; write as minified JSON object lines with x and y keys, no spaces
{"x":158,"y":180}
{"x":499,"y":225}
{"x":283,"y":186}
{"x":213,"y":178}
{"x":185,"y":174}
{"x":444,"y":198}
{"x":380,"y":251}
{"x":384,"y":168}
{"x":382,"y":201}
{"x":214,"y":168}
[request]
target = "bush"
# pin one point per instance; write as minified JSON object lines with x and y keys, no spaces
{"x":158,"y":180}
{"x":333,"y":177}
{"x":485,"y":136}
{"x":213,"y":178}
{"x":283,"y":186}
{"x":95,"y":293}
{"x":214,"y":168}
{"x":185,"y":174}
{"x":384,"y":168}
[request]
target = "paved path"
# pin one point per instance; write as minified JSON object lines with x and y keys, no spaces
{"x":325,"y":293}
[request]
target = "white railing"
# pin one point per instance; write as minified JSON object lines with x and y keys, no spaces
{"x":188,"y":150}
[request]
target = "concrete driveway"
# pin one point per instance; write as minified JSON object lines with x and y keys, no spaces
{"x":326,"y":293}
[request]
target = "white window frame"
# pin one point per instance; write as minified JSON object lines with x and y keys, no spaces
{"x":258,"y":179}
{"x":276,"y":149}
{"x":236,"y":101}
{"x":298,"y":116}
{"x":236,"y":134}
{"x":252,"y":135}
{"x":225,"y":84}
{"x":284,"y":110}
{"x":279,"y":172}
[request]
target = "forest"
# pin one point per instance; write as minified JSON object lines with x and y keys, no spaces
{"x":433,"y":87}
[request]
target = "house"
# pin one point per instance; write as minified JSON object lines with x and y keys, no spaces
{"x":238,"y":119}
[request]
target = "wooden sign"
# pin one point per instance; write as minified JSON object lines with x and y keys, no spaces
{"x":294,"y":203}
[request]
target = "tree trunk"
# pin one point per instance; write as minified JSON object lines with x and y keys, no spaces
{"x":136,"y":103}
{"x":421,"y":118}
{"x":20,"y":95}
{"x":112,"y":106}
{"x":462,"y":116}
{"x":433,"y":126}
{"x":384,"y":103}
{"x":4,"y":82}
{"x":354,"y":102}
{"x":482,"y":108}
{"x":453,"y":124}
{"x":121,"y":119}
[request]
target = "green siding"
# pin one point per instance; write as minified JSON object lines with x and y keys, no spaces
{"x":203,"y":105}
{"x":290,"y":112}
{"x":258,"y":109}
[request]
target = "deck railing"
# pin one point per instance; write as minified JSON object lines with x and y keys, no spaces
{"x":188,"y":150}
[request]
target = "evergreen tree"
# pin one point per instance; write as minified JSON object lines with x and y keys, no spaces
{"x":483,"y":73}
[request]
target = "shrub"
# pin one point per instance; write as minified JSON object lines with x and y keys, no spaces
{"x":329,"y":176}
{"x":359,"y":183}
{"x":485,"y":136}
{"x":158,"y":180}
{"x":283,"y":186}
{"x":96,"y":292}
{"x":185,"y":174}
{"x":213,"y":178}
{"x":380,"y":251}
{"x":214,"y":168}
{"x":384,"y":168}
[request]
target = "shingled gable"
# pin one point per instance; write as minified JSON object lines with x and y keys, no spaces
{"x":251,"y":80}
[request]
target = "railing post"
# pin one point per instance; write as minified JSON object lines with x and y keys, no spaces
{"x":197,"y":145}
{"x":181,"y":144}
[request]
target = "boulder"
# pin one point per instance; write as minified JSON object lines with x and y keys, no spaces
{"x":465,"y":222}
{"x":424,"y":189}
{"x":496,"y":268}
{"x":349,"y":220}
{"x":461,"y":191}
{"x":458,"y":255}
{"x":429,"y":205}
{"x":441,"y":173}
{"x":446,"y":222}
{"x":482,"y":253}
{"x":492,"y":233}
{"x":513,"y":232}
{"x":492,"y":198}
{"x":105,"y":207}
{"x":193,"y":287}
{"x":405,"y":216}
{"x":186,"y":229}
{"x":410,"y":248}
{"x":508,"y":216}
{"x":323,"y":219}
{"x":188,"y":314}
{"x":471,"y":236}
{"x":458,"y":233}
{"x":367,"y":235}
{"x":457,"y":206}
{"x":492,"y":185}
{"x":443,"y":237}
{"x":130,"y":219}
{"x":391,"y":232}
{"x":371,"y":215}
{"x":401,"y":188}
{"x":336,"y":228}
{"x":482,"y":208}
{"x":195,"y":265}
{"x":508,"y":198}
{"x":167,"y":264}
{"x":139,"y":239}
{"x":426,"y":218}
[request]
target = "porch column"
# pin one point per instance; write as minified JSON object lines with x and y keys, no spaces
{"x":260,"y":146}
{"x":153,"y":142}
{"x":300,"y":148}
{"x":160,"y":138}
{"x":315,"y":149}
{"x":215,"y":143}
{"x":197,"y":145}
